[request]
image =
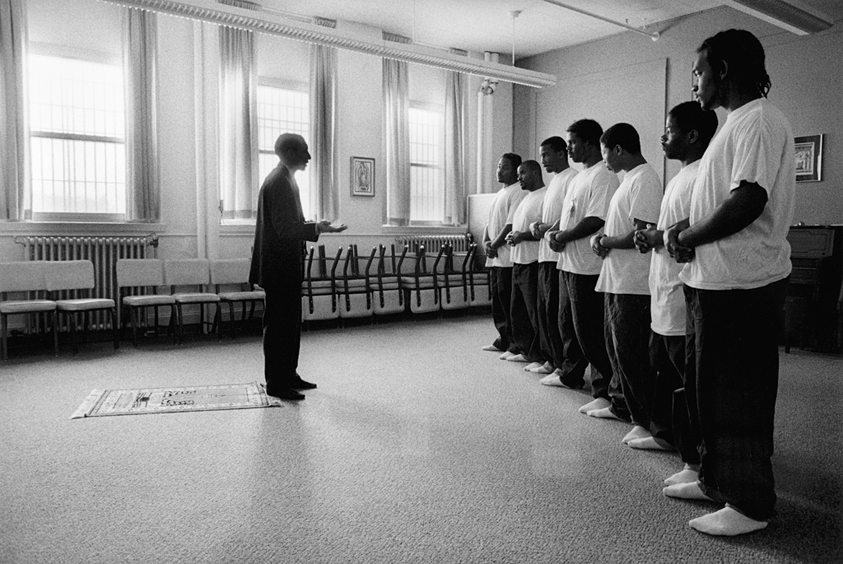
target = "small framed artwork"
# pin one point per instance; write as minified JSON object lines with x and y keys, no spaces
{"x":362,"y":176}
{"x":809,"y":158}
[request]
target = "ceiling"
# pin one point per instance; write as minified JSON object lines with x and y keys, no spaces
{"x":528,"y":26}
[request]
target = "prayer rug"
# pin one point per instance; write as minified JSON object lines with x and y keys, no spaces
{"x":168,"y":400}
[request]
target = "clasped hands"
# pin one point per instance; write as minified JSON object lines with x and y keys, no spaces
{"x":679,"y":252}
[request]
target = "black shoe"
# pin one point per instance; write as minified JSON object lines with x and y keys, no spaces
{"x":284,"y":393}
{"x":302,"y":385}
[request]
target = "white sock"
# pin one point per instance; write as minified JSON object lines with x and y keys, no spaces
{"x":604,"y":413}
{"x":638,"y":432}
{"x":726,"y":522}
{"x":598,"y":403}
{"x":532,"y":366}
{"x":650,"y":443}
{"x":689,"y":490}
{"x":686,"y":475}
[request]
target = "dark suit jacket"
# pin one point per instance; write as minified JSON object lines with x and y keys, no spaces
{"x":280,"y":233}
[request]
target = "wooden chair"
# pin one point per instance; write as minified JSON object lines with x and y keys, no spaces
{"x":138,"y":281}
{"x":77,"y":276}
{"x":235,"y":272}
{"x":27,"y":277}
{"x":196,"y":274}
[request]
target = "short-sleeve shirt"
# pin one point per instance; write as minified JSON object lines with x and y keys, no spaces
{"x":626,"y":271}
{"x":554,"y":199}
{"x":588,"y":195}
{"x":528,"y":211}
{"x":755,"y":145}
{"x":667,"y":297}
{"x":500,"y":215}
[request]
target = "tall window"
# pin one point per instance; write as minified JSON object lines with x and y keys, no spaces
{"x":282,"y":110}
{"x":77,"y":133}
{"x":427,"y":195}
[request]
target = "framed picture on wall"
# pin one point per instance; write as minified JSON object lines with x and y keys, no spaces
{"x":362,"y":176}
{"x":809,"y":158}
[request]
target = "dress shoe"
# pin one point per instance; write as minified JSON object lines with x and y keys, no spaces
{"x":302,"y":385}
{"x":284,"y":393}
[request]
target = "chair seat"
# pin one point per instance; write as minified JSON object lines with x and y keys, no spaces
{"x":196,"y":298}
{"x":242,"y":296}
{"x":26,"y":306}
{"x":84,"y":304}
{"x":352,"y":283}
{"x":453,"y":279}
{"x":151,"y":300}
{"x":317,"y":284}
{"x":420,"y":283}
{"x":375,"y":287}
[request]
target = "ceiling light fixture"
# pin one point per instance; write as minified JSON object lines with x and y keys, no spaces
{"x":273,"y":24}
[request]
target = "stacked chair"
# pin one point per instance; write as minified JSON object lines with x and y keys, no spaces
{"x":480,"y":294}
{"x":453,"y":280}
{"x":419,"y":282}
{"x":385,"y":285}
{"x":354,"y":293}
{"x":319,"y":287}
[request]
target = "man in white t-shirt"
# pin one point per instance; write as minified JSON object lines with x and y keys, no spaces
{"x":688,"y":131}
{"x":556,"y":326}
{"x":738,"y":265}
{"x":583,"y":214}
{"x":498,"y":259}
{"x":525,"y":266}
{"x":623,"y":278}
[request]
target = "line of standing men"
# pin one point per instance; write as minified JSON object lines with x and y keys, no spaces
{"x":672,"y":299}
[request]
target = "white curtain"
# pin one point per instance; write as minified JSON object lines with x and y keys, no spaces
{"x":238,"y":121}
{"x":323,"y":102}
{"x":396,"y":92}
{"x":456,"y":123}
{"x":139,"y":54}
{"x":14,"y":163}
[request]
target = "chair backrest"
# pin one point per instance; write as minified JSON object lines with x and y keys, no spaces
{"x":140,"y":273}
{"x":187,"y":272}
{"x":70,"y":275}
{"x":23,"y":276}
{"x":230,"y":271}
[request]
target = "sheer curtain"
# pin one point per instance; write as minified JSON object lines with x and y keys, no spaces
{"x":323,"y":102}
{"x":139,"y":53}
{"x":456,"y":122}
{"x":14,"y":165}
{"x":238,"y":120}
{"x":396,"y":92}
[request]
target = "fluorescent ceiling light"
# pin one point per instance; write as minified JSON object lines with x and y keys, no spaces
{"x":276,"y":24}
{"x":791,"y":15}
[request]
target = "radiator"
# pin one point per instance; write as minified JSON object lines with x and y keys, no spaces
{"x":103,"y":252}
{"x":432,"y":243}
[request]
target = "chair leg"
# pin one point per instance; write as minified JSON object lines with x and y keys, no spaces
{"x":115,"y":328}
{"x":231,"y":319}
{"x":3,"y":353}
{"x":55,"y":324}
{"x":179,"y":320}
{"x":75,"y":345}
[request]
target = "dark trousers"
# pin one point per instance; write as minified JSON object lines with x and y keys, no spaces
{"x":628,"y":344}
{"x":667,"y":357}
{"x":524,"y":314}
{"x":734,"y":387}
{"x":500,"y":280}
{"x":548,"y":306}
{"x":587,"y":316}
{"x":282,"y":336}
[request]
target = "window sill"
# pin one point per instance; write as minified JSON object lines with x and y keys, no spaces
{"x":78,"y":228}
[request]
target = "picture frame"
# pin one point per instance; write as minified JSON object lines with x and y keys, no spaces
{"x":809,"y":158}
{"x":362,"y":176}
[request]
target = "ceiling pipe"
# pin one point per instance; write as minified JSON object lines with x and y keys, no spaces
{"x":654,"y":36}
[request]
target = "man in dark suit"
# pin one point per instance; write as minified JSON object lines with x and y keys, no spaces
{"x":277,"y":261}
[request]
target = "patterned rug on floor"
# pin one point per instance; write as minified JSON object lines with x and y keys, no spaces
{"x":100,"y":403}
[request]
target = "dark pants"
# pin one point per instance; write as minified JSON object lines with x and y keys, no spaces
{"x":667,"y":357}
{"x":525,"y":318}
{"x":548,"y":306}
{"x":734,"y":387}
{"x":282,"y":336}
{"x":500,"y":280}
{"x":587,"y":317}
{"x":628,"y":345}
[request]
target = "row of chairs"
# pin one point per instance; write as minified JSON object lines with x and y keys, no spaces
{"x":139,"y":282}
{"x":384,"y":283}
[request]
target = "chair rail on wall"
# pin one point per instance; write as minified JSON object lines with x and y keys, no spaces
{"x":102,"y":251}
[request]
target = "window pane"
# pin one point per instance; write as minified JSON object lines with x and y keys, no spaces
{"x":282,"y":111}
{"x":77,"y":143}
{"x":427,"y":196}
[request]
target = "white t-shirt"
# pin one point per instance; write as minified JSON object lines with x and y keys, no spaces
{"x":589,"y":194}
{"x":625,"y":271}
{"x":500,"y":215}
{"x":667,"y":297}
{"x":755,"y":145}
{"x":528,"y":211}
{"x":554,"y":199}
